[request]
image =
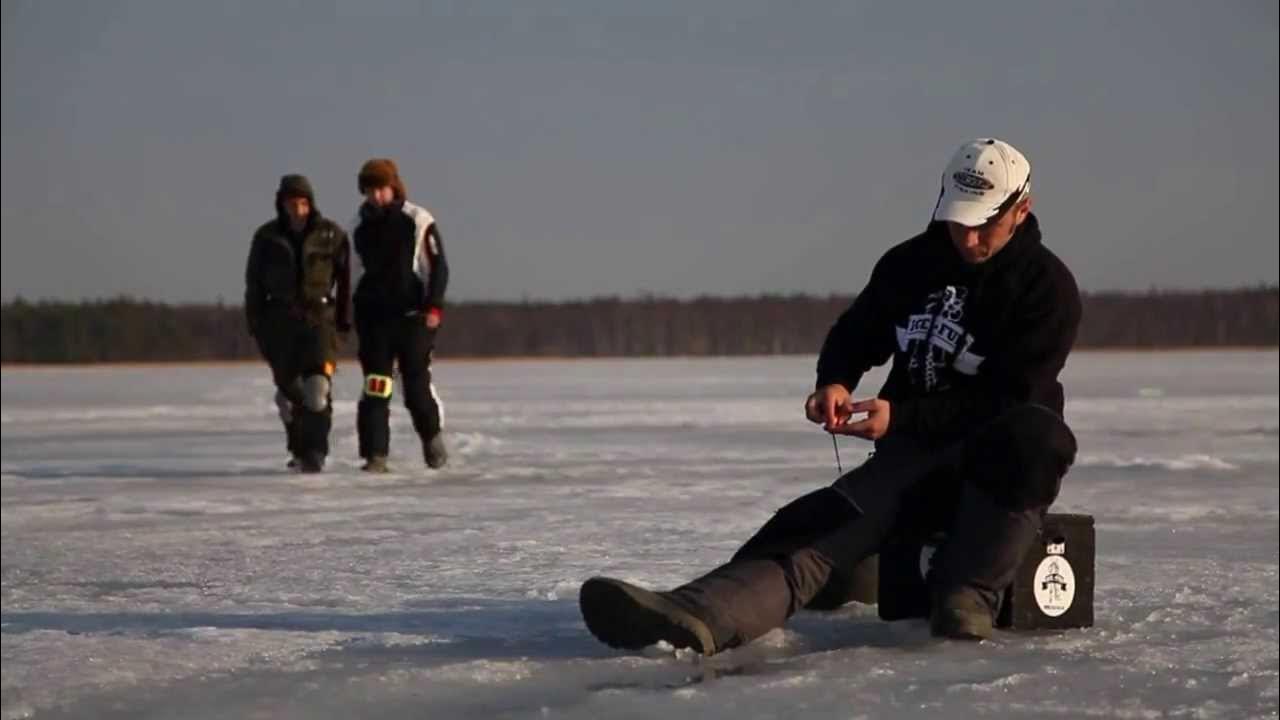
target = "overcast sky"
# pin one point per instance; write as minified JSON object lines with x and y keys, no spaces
{"x":669,"y":147}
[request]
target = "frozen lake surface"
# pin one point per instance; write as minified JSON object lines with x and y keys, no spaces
{"x":158,"y":560}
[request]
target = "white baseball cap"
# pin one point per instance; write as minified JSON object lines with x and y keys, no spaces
{"x":980,"y":179}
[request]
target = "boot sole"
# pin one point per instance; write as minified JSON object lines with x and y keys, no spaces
{"x":628,"y":617}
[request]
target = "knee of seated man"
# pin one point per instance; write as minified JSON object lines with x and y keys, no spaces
{"x":1036,"y":431}
{"x":1020,"y":458}
{"x":315,"y":393}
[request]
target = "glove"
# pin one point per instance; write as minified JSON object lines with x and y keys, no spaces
{"x":433,"y":317}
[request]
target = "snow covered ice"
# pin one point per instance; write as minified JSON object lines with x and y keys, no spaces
{"x":159,"y":561}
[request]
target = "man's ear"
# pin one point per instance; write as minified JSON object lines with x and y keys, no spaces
{"x":1021,"y":211}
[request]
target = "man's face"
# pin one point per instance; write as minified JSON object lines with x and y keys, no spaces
{"x":976,"y":245}
{"x":380,"y":196}
{"x":298,"y":209}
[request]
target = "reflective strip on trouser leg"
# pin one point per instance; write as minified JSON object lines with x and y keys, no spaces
{"x":378,"y":386}
{"x":423,"y":405}
{"x":439,"y":403}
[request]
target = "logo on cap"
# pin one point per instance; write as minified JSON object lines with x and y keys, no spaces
{"x":967,"y":179}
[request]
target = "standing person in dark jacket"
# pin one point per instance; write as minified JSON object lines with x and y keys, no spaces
{"x":978,"y":318}
{"x":297,"y":294}
{"x":399,"y":304}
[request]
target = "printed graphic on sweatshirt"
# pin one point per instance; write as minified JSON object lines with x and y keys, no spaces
{"x":936,"y":339}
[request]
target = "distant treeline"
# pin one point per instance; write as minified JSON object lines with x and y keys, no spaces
{"x":129,"y":330}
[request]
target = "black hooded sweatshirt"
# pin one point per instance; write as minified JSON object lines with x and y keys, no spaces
{"x":967,"y":341}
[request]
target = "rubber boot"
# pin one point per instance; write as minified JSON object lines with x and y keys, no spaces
{"x":311,"y":462}
{"x":727,"y":607}
{"x":977,"y":562}
{"x":629,"y":617}
{"x":961,"y":613}
{"x":434,"y":452}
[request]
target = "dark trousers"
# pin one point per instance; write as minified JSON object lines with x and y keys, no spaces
{"x":386,"y":342}
{"x":296,"y":347}
{"x":989,"y":493}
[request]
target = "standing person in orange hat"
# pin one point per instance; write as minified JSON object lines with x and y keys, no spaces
{"x":399,"y":306}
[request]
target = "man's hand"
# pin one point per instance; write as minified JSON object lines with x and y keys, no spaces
{"x":832,"y":407}
{"x":873,"y":427}
{"x":823,"y":405}
{"x":432,"y":318}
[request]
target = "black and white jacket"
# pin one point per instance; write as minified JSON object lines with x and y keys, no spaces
{"x":402,"y":268}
